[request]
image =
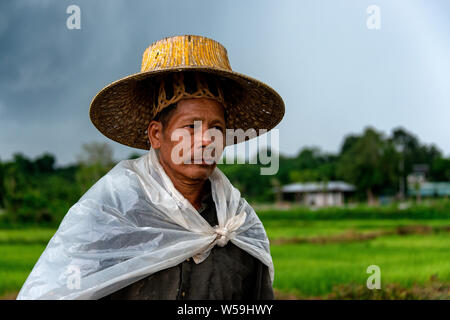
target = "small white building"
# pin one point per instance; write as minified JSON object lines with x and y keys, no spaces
{"x":317,"y":194}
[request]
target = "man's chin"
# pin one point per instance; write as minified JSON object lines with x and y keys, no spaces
{"x":200,"y":171}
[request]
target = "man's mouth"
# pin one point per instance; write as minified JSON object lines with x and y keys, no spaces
{"x":204,"y":161}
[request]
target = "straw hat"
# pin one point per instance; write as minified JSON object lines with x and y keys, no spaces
{"x":123,"y":109}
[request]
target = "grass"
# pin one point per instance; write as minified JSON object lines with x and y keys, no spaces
{"x":24,"y":236}
{"x":313,"y":270}
{"x":16,"y":262}
{"x":285,"y":228}
{"x":19,"y":251}
{"x":427,"y":210}
{"x":306,"y":269}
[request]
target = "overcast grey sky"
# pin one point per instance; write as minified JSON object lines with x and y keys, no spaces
{"x":335,"y":75}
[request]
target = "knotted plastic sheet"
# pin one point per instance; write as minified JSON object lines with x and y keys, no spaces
{"x":133,"y":223}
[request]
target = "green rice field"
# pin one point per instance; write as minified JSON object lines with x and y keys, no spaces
{"x":314,"y":259}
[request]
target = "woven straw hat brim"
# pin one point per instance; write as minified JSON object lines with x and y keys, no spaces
{"x":123,"y":109}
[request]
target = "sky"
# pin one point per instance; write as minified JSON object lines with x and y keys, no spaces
{"x":335,"y":75}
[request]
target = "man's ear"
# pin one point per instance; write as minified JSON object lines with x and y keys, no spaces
{"x":154,"y":132}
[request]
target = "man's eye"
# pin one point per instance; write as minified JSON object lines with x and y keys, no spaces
{"x":219,"y":128}
{"x":190,"y":126}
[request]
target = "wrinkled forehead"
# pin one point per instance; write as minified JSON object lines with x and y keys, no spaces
{"x":198,"y":109}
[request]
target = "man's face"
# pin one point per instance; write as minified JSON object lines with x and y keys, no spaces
{"x":192,"y":128}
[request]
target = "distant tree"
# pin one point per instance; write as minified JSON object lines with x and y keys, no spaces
{"x":348,"y":143}
{"x":22,"y":198}
{"x":94,"y":162}
{"x":17,"y":179}
{"x":96,"y":153}
{"x":2,"y":186}
{"x":440,"y":170}
{"x":369,"y":163}
{"x":309,"y":158}
{"x":23,"y":164}
{"x":306,"y":175}
{"x":405,"y":139}
{"x":248,"y":180}
{"x":286,"y":166}
{"x":311,"y":164}
{"x":412,"y":152}
{"x":427,"y":154}
{"x":35,"y":191}
{"x":45,"y":163}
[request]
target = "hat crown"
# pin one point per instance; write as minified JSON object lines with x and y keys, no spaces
{"x":185,"y":51}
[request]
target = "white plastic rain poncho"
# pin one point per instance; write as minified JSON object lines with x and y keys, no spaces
{"x":132,"y":223}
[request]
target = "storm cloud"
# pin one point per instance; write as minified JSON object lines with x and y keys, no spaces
{"x":335,"y":75}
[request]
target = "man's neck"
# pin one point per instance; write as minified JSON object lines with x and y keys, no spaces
{"x":192,"y":190}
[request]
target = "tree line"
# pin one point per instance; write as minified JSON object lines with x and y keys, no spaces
{"x":35,"y":190}
{"x":375,"y":163}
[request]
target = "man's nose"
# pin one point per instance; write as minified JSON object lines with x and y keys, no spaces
{"x":206,"y":136}
{"x":202,"y":135}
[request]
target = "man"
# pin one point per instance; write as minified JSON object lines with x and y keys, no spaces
{"x":168,"y":225}
{"x":228,"y":272}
